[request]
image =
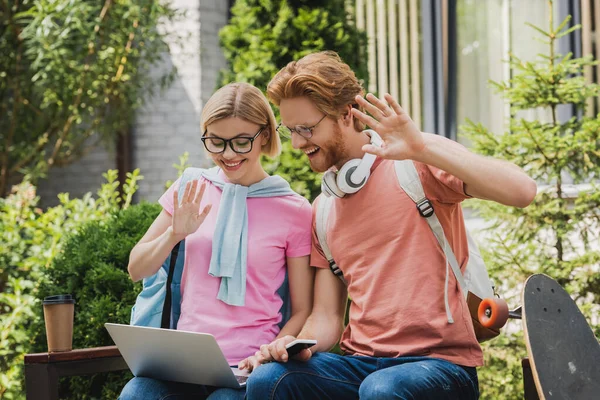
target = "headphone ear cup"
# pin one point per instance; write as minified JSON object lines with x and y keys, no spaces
{"x":344,"y":181}
{"x":329,"y":185}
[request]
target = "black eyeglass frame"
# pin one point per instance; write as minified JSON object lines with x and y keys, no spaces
{"x":230,"y":142}
{"x":297,"y":127}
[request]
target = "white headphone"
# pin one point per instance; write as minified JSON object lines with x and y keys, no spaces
{"x":353,"y":175}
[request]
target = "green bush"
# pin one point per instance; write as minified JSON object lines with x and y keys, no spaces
{"x":31,"y":239}
{"x":501,"y":377}
{"x":93,"y":268}
{"x":264,"y":35}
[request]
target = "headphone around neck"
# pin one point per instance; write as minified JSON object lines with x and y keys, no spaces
{"x":353,"y":175}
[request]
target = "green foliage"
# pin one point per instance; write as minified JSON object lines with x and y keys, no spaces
{"x":31,"y":240}
{"x":264,"y":35}
{"x":71,"y":74}
{"x":93,"y":267}
{"x":502,"y":376}
{"x":293,"y":166}
{"x":183,"y":164}
{"x":558,"y":233}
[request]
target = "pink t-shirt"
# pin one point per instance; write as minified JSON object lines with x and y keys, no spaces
{"x":278,"y":227}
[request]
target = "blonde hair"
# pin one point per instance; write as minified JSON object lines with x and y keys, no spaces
{"x":246,"y":102}
{"x":322,"y":77}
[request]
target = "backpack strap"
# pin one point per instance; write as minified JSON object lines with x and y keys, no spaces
{"x":409,"y":180}
{"x":323,"y":207}
{"x":188,"y":175}
{"x":165,"y":321}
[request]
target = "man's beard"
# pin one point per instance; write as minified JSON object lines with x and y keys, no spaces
{"x":331,"y":153}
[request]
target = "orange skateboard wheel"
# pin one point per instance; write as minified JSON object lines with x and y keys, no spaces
{"x":492,"y":313}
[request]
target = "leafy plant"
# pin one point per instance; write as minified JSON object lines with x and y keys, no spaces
{"x":71,"y":75}
{"x":93,"y":268}
{"x":180,"y":167}
{"x":558,"y":233}
{"x":31,"y":241}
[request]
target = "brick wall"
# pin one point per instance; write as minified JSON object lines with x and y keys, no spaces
{"x":213,"y":16}
{"x":170,"y":124}
{"x":78,"y":178}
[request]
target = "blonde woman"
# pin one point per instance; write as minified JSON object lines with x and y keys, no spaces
{"x":234,"y":216}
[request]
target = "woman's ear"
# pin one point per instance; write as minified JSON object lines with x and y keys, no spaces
{"x":265,"y":137}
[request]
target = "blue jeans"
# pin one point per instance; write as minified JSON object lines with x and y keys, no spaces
{"x":154,"y":389}
{"x":331,"y":376}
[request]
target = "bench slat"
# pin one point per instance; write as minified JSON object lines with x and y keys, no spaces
{"x":73,"y":355}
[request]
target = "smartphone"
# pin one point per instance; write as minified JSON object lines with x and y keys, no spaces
{"x":298,"y":345}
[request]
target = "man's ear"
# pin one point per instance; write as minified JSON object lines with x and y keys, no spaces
{"x":347,"y":118}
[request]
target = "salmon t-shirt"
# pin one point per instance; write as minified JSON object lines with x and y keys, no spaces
{"x":278,"y":227}
{"x":396,"y":269}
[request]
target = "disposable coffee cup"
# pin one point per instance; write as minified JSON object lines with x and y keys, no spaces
{"x":59,"y":311}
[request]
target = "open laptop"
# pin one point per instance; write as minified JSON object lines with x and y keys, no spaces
{"x":177,"y":356}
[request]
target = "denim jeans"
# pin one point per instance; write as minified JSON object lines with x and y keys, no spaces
{"x":331,"y":376}
{"x":154,"y":389}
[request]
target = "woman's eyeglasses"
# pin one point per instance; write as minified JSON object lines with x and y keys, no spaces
{"x":239,"y":144}
{"x":302,"y":130}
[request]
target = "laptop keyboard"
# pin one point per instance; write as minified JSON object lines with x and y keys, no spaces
{"x":241,"y":379}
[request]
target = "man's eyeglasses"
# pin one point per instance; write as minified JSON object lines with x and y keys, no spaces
{"x":239,"y":144}
{"x":302,"y":130}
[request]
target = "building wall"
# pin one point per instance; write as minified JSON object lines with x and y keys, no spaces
{"x":169,"y":125}
{"x":214,"y":14}
{"x":77,"y":178}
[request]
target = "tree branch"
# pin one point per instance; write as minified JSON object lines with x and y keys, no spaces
{"x":76,"y":156}
{"x":33,"y":108}
{"x":511,"y":256}
{"x":32,"y":154}
{"x":537,"y":145}
{"x":127,"y":50}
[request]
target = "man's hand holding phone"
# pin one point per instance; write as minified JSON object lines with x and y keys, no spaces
{"x":301,"y":348}
{"x":280,"y":350}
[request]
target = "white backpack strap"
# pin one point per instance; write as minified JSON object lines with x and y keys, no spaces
{"x":322,"y":216}
{"x":409,"y":180}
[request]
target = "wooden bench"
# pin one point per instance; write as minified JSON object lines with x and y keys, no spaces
{"x":43,"y":370}
{"x":530,"y":392}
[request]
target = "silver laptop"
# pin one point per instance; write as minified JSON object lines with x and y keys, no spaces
{"x":177,"y":356}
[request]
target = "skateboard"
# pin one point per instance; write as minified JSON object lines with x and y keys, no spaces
{"x":564,"y":353}
{"x":493,"y":313}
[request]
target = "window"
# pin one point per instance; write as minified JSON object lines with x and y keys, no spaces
{"x":486,"y":32}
